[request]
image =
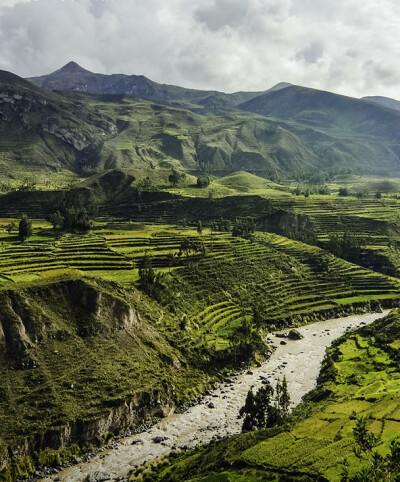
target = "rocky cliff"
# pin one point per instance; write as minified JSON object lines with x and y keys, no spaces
{"x":79,"y":359}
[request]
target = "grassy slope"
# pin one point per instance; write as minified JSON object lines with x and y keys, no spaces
{"x":73,"y":351}
{"x":373,"y":221}
{"x":359,"y":376}
{"x":214,"y":292}
{"x":351,"y":122}
{"x":237,"y":183}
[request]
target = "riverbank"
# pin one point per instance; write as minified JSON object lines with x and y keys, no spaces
{"x":216,"y":416}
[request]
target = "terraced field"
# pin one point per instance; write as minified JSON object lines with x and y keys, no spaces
{"x":293,"y":282}
{"x":366,"y":218}
{"x":215,"y":286}
{"x":48,"y":256}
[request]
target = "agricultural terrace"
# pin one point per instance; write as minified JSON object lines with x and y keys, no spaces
{"x":213,"y":286}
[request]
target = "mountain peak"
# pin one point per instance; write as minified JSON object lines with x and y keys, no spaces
{"x":72,"y":67}
{"x":279,"y":86}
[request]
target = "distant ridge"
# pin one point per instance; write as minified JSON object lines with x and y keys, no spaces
{"x":73,"y":77}
{"x":384,"y":101}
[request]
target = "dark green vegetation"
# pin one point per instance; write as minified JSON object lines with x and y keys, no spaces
{"x":214,"y":280}
{"x":24,"y":228}
{"x":359,"y":376}
{"x":378,"y":466}
{"x":263,"y":410}
{"x":205,"y":289}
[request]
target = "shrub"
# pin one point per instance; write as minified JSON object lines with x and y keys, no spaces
{"x":25,"y":227}
{"x":203,"y":181}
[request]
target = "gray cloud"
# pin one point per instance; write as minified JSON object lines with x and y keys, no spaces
{"x":222,"y":13}
{"x":311,"y":53}
{"x":348,"y":46}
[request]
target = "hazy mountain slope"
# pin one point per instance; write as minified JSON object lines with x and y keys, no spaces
{"x":75,"y":78}
{"x":384,"y":101}
{"x":42,"y":130}
{"x":340,"y":130}
{"x":81,"y":132}
{"x":325,"y":110}
{"x":167,"y":136}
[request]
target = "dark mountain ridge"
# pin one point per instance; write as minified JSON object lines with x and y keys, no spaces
{"x":73,"y":77}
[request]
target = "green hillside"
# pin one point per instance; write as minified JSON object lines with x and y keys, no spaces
{"x":340,"y":130}
{"x":102,"y":329}
{"x":359,"y":377}
{"x":244,"y":182}
{"x":275,"y":134}
{"x":80,"y":342}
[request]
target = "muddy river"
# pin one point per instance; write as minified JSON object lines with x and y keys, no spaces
{"x":217,"y":415}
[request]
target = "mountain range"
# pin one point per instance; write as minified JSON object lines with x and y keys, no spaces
{"x":73,"y":77}
{"x":86,"y":122}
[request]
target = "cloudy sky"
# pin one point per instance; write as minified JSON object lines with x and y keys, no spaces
{"x":346,"y":46}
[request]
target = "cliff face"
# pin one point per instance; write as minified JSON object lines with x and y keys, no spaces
{"x":84,"y":432}
{"x":25,"y":324}
{"x":79,"y":359}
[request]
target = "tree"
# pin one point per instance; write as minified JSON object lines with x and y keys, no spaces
{"x":259,"y":410}
{"x":83,"y":223}
{"x":11,"y":227}
{"x":176,"y":177}
{"x":346,"y":246}
{"x":189,"y":245}
{"x":379,"y":467}
{"x":56,"y":220}
{"x":152,"y":283}
{"x":297,"y":190}
{"x":258,"y":313}
{"x":244,"y":227}
{"x":378,"y":195}
{"x":362,"y":193}
{"x":245,"y":339}
{"x":203,"y":181}
{"x":283,"y":397}
{"x":199,"y":227}
{"x":343,"y":191}
{"x":76,"y":220}
{"x":147,"y":275}
{"x":25,"y":227}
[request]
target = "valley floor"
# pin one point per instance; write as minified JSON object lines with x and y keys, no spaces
{"x":216,"y":415}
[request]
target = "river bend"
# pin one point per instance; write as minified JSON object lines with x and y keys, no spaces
{"x":299,"y":361}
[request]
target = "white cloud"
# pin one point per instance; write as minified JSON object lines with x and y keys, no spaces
{"x":348,"y":46}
